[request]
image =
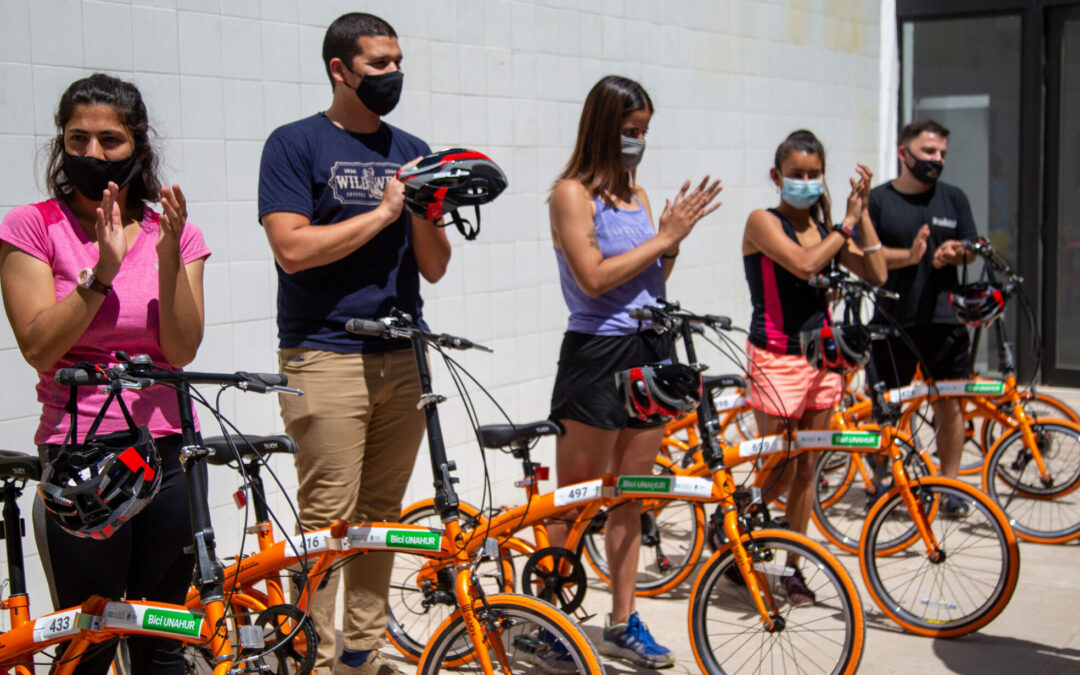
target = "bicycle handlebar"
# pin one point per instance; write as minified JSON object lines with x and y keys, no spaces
{"x":670,"y":313}
{"x":401,"y":326}
{"x":140,"y":373}
{"x":986,"y":251}
{"x":843,"y":281}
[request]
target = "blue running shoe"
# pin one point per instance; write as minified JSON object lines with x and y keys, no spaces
{"x":631,"y":641}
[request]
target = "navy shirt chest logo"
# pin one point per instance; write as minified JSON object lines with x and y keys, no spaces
{"x":361,"y":182}
{"x":943,"y":222}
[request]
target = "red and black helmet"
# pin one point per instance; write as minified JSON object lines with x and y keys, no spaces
{"x":979,"y":303}
{"x":839,"y":348}
{"x":659,"y":392}
{"x":442,"y":182}
{"x":91,"y":489}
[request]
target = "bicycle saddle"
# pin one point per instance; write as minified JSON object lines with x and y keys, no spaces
{"x":715,"y":382}
{"x":221,"y":453}
{"x":19,"y":465}
{"x":504,"y":435}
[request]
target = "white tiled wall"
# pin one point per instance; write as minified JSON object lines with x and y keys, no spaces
{"x":729,"y":78}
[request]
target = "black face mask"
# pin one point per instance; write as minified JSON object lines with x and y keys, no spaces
{"x":90,"y":175}
{"x":926,"y":170}
{"x":380,"y":93}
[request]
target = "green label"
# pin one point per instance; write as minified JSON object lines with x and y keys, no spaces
{"x":644,"y":484}
{"x":984,"y":388}
{"x":856,"y":439}
{"x":168,"y":621}
{"x":416,"y":539}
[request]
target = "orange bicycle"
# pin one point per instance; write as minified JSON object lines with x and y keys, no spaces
{"x":99,"y":620}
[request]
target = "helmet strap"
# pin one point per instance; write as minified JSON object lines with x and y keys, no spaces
{"x":465,"y":227}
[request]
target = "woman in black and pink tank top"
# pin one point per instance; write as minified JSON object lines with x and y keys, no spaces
{"x":783,"y":248}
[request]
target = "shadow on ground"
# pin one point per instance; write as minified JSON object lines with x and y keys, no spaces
{"x":999,"y":654}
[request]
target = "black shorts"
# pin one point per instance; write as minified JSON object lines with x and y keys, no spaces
{"x":585,"y":382}
{"x":945,"y":349}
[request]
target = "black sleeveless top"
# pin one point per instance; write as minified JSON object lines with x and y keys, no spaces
{"x":782,"y":302}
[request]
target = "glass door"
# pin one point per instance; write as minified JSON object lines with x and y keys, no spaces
{"x":1063,"y":198}
{"x":965,"y":74}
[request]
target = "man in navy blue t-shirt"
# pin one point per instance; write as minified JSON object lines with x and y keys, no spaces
{"x":923,"y":224}
{"x":345,"y":247}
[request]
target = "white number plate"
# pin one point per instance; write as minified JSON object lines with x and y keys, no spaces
{"x":726,"y":403}
{"x":56,"y":625}
{"x":579,"y":492}
{"x":762,"y":446}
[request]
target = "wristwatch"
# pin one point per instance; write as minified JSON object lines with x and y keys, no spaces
{"x":842,"y":229}
{"x":91,"y":283}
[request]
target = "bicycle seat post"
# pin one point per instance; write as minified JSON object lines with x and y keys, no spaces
{"x":13,"y":534}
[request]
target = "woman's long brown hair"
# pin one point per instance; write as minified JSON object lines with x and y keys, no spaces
{"x":597,"y":158}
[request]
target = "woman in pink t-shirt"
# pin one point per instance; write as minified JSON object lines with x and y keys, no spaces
{"x":89,"y":272}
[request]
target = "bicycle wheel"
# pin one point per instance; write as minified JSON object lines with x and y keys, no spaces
{"x":726,"y":631}
{"x":422,"y":590}
{"x":522,"y":634}
{"x":1044,"y":510}
{"x":672,"y":537}
{"x":843,"y":499}
{"x":965,"y":584}
{"x":1037,"y":406}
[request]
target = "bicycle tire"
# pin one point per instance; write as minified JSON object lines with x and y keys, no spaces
{"x":1045,"y":514}
{"x":1038,"y":406}
{"x":680,"y":538}
{"x":410,"y":623}
{"x":726,"y":631}
{"x":516,"y":621}
{"x":840,"y":509}
{"x":980,"y":553}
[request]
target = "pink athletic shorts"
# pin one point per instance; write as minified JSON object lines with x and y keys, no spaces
{"x":787,"y":385}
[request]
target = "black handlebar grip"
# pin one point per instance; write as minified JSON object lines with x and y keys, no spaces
{"x":75,"y":376}
{"x":721,"y":322}
{"x":643,"y":314}
{"x":820,"y":281}
{"x":366,"y":327}
{"x":272,"y":379}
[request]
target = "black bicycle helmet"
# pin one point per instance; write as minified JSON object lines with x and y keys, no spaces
{"x":93,"y":488}
{"x":659,"y":392}
{"x":442,"y":182}
{"x":840,"y":348}
{"x":979,"y":303}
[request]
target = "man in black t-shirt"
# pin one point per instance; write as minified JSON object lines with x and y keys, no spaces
{"x":922,"y":224}
{"x":345,"y":247}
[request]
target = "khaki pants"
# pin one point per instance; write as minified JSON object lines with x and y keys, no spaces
{"x":358,"y":430}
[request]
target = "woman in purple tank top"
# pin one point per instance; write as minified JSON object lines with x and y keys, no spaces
{"x":612,"y":259}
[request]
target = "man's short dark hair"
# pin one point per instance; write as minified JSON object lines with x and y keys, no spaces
{"x":913,"y":129}
{"x":342,"y":39}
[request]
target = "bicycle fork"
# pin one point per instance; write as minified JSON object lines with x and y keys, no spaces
{"x":760,"y":593}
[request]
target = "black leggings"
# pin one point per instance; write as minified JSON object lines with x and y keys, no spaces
{"x":143,"y":560}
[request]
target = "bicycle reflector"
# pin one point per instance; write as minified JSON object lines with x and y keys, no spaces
{"x":93,"y":488}
{"x":659,"y":392}
{"x":839,"y":348}
{"x":441,"y":183}
{"x":979,"y":303}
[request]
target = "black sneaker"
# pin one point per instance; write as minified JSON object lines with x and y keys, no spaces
{"x":954,"y":507}
{"x":798,"y":593}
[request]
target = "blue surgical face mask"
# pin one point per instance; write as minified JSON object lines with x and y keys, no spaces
{"x":802,"y":194}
